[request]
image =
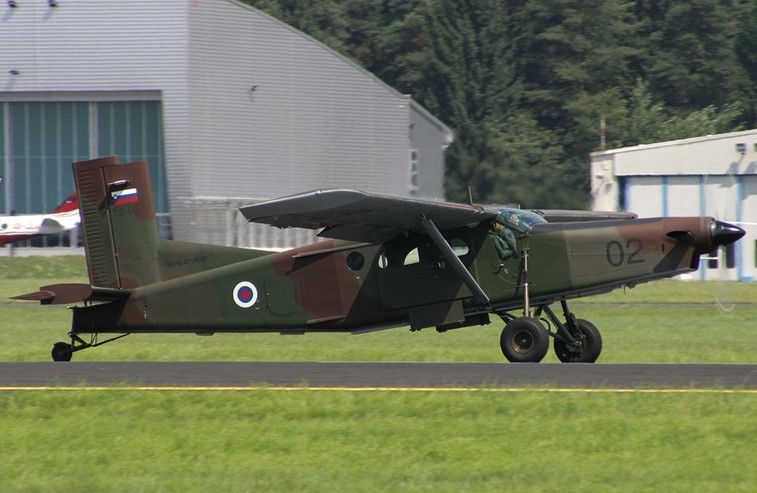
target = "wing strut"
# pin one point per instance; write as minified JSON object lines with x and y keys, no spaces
{"x":454,"y":261}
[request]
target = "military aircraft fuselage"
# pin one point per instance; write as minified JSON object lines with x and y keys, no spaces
{"x":385,"y":261}
{"x":342,"y":286}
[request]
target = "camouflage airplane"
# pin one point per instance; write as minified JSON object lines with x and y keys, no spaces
{"x":21,"y":227}
{"x":386,"y":262}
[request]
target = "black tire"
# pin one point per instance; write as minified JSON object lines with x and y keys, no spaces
{"x":524,"y":340}
{"x":590,"y":345}
{"x":62,"y":351}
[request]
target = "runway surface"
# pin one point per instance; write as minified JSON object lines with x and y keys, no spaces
{"x":377,"y":375}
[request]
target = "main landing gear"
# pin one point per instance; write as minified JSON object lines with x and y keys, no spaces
{"x":62,"y":351}
{"x":526,"y":339}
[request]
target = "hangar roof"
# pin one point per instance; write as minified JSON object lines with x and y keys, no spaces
{"x":729,"y":153}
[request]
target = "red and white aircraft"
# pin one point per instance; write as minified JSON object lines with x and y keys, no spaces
{"x":25,"y":226}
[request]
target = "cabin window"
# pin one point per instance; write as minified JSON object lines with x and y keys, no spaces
{"x":383,"y":262}
{"x":413,"y":171}
{"x":459,"y":246}
{"x":394,"y":257}
{"x":410,"y":251}
{"x":412,"y":257}
{"x":355,"y":261}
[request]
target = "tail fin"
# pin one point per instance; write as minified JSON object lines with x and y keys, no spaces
{"x":68,"y":205}
{"x":118,"y":221}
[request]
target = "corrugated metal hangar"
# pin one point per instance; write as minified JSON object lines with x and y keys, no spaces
{"x":229,"y":106}
{"x":715,"y":175}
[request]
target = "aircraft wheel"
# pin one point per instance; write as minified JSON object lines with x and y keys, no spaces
{"x":589,"y":349}
{"x":524,"y":340}
{"x":62,"y":351}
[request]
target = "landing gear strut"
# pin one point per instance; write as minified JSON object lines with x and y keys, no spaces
{"x":62,"y":351}
{"x":576,"y":341}
{"x":587,"y":347}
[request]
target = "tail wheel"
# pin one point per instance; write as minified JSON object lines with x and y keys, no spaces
{"x":524,"y":340}
{"x":589,"y":345}
{"x":62,"y":351}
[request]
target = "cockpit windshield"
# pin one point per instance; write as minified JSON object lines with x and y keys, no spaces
{"x":519,"y":219}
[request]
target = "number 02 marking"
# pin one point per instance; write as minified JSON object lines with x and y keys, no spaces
{"x":617,"y":254}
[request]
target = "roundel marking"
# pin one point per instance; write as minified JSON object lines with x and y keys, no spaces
{"x":245,"y":294}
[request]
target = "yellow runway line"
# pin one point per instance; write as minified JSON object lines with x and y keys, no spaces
{"x":379,"y":389}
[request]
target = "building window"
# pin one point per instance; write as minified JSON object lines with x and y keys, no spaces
{"x":730,"y":256}
{"x":413,"y":171}
{"x":712,"y":262}
{"x":622,"y":194}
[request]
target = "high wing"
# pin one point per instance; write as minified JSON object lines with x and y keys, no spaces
{"x":360,"y":216}
{"x":566,"y":216}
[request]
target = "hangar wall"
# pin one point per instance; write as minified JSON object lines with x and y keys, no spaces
{"x":75,"y":83}
{"x":277,"y":100}
{"x":281,"y":113}
{"x":249,"y":108}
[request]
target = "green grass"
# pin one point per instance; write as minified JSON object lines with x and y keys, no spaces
{"x":635,"y":329}
{"x":45,"y":269}
{"x":313,"y":441}
{"x":632,"y":334}
{"x":265,"y":440}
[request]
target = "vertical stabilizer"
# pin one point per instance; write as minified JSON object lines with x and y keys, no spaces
{"x":118,"y":221}
{"x":69,"y":205}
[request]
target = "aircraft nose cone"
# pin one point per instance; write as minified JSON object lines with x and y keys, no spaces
{"x":724,"y":233}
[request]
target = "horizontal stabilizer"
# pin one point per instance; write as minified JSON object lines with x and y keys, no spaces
{"x":62,"y":294}
{"x":361,"y":216}
{"x":42,"y":296}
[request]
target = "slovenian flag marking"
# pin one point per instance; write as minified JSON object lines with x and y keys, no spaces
{"x":125,"y":196}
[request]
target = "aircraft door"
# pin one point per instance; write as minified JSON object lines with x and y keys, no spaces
{"x":411,"y":271}
{"x":497,"y":264}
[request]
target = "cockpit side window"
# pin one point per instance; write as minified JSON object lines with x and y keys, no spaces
{"x":518,"y":219}
{"x":503,"y":238}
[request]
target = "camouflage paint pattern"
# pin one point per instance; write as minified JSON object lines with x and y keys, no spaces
{"x":141,"y":283}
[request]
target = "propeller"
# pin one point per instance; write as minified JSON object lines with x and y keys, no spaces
{"x":721,"y":199}
{"x":724,"y":234}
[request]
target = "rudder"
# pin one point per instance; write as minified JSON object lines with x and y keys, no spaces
{"x":118,"y":222}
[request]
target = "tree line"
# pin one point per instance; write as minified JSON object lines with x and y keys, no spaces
{"x":524,"y":84}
